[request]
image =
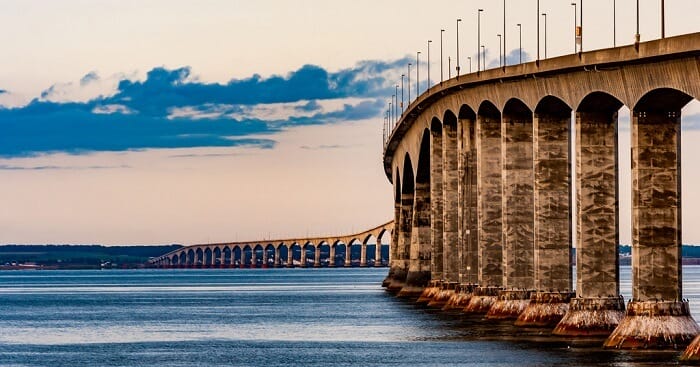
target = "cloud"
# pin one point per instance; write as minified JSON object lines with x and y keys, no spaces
{"x":5,"y":167}
{"x":513,"y":57}
{"x":3,"y":91}
{"x":324,"y":147}
{"x":171,"y":108}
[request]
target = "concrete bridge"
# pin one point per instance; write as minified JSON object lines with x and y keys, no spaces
{"x":283,"y":253}
{"x":481,"y":166}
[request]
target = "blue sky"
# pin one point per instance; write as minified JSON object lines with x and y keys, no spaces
{"x":126,"y":122}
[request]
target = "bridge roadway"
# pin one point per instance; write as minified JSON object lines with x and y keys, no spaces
{"x":481,"y":166}
{"x":271,"y":252}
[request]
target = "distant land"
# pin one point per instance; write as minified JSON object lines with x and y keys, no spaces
{"x":78,"y":256}
{"x":14,"y":257}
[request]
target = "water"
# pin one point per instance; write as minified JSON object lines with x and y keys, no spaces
{"x":271,"y":317}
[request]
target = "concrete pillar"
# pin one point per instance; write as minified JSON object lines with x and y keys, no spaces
{"x":378,"y":253}
{"x":489,"y":214}
{"x":290,"y":257}
{"x":450,"y":184}
{"x":657,"y":317}
{"x":278,"y":260}
{"x":436,"y":202}
{"x":348,"y":257}
{"x":394,"y":262}
{"x":403,"y":245}
{"x":254,"y":258}
{"x":597,"y":308}
{"x":418,"y":275}
{"x":303,"y":256}
{"x":518,"y":212}
{"x":552,"y":202}
{"x":317,"y":256}
{"x":363,"y":255}
{"x":468,"y":233}
{"x":332,"y":256}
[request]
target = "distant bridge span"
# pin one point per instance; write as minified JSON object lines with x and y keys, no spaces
{"x":279,"y":253}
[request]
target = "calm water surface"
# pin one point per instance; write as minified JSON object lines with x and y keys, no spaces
{"x":266,"y":317}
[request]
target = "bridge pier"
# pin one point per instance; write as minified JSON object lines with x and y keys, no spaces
{"x":657,"y":316}
{"x":317,"y":256}
{"x":378,"y":253}
{"x":363,"y":255}
{"x":399,"y":263}
{"x":489,"y":209}
{"x":518,"y":212}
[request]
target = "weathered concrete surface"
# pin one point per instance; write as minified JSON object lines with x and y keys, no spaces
{"x":429,"y":292}
{"x":460,"y":298}
{"x":482,"y":300}
{"x":509,"y":305}
{"x":436,"y":202}
{"x":418,"y":275}
{"x":591,"y":317}
{"x":545,"y":309}
{"x":654,"y":325}
{"x":446,"y":291}
{"x":398,"y":279}
{"x":489,"y":189}
{"x":692,"y":352}
{"x":518,"y":206}
{"x":656,"y":232}
{"x":450,"y":184}
{"x":468,"y":222}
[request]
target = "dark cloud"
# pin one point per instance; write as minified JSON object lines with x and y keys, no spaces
{"x":140,"y":115}
{"x":3,"y":91}
{"x":513,"y":57}
{"x":89,"y":78}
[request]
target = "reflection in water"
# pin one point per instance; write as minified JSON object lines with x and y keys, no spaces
{"x":268,"y":317}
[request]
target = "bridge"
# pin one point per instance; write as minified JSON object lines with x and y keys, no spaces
{"x":481,"y":166}
{"x":289,"y":252}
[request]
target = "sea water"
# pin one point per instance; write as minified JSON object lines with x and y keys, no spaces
{"x":267,"y":317}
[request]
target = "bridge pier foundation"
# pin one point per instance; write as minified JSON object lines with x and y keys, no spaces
{"x":509,"y":304}
{"x":429,"y":292}
{"x":447,"y":289}
{"x":399,"y":269}
{"x":482,"y":300}
{"x":460,"y":298}
{"x":545,"y":309}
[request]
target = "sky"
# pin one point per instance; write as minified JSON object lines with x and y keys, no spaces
{"x":156,"y":122}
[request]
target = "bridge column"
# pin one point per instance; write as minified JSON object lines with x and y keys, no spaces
{"x":552,"y":199}
{"x":303,"y":256}
{"x":332,"y":255}
{"x":254,"y":258}
{"x":397,"y":262}
{"x":348,"y":258}
{"x":657,"y":316}
{"x":518,"y":212}
{"x":278,"y":261}
{"x":489,"y":209}
{"x":378,"y":253}
{"x":363,"y":255}
{"x":290,"y":257}
{"x":317,"y":256}
{"x":598,"y":307}
{"x":436,"y":214}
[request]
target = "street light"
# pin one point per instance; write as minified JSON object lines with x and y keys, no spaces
{"x":417,"y":74}
{"x":504,"y":35}
{"x":538,"y":32}
{"x":402,"y":76}
{"x":442,"y":75}
{"x":396,"y":105}
{"x":429,"y":42}
{"x":663,"y":19}
{"x":470,"y":64}
{"x":478,"y":39}
{"x":520,"y":48}
{"x":500,"y":61}
{"x":458,"y":20}
{"x":483,"y":57}
{"x":575,"y":25}
{"x":408,"y":75}
{"x":636,"y":36}
{"x":545,"y":34}
{"x":614,"y":24}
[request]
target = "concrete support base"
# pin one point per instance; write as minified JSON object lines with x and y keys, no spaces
{"x":460,"y":298}
{"x":416,"y":282}
{"x":692,"y":353}
{"x":429,"y":292}
{"x":545,"y":309}
{"x":591,"y":317}
{"x":654,"y":325}
{"x":396,"y":280}
{"x":482,"y":300}
{"x":509,"y":305}
{"x":444,"y":295}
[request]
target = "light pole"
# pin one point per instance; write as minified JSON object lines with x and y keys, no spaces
{"x":396,"y":105}
{"x":478,"y":39}
{"x":636,"y":36}
{"x":545,"y":34}
{"x":470,"y":64}
{"x":483,"y":57}
{"x":520,"y":48}
{"x":538,"y":32}
{"x":505,"y":50}
{"x":442,"y":75}
{"x":663,"y":20}
{"x":458,"y":20}
{"x":614,"y":24}
{"x":408,"y":76}
{"x":429,"y":42}
{"x":575,"y":25}
{"x":391,"y":117}
{"x":417,"y":74}
{"x":580,"y":48}
{"x":402,"y":93}
{"x":500,"y":61}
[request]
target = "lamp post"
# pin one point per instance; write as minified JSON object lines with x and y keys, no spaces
{"x":614,"y":24}
{"x":458,"y":20}
{"x":575,"y":25}
{"x":663,"y":19}
{"x":417,"y":74}
{"x":483,"y":57}
{"x":500,"y":61}
{"x":636,"y":36}
{"x":580,"y":48}
{"x":478,"y":39}
{"x":409,"y":82}
{"x":429,"y":42}
{"x":402,"y":93}
{"x":545,"y":34}
{"x":391,"y":117}
{"x":520,"y":48}
{"x":396,"y":105}
{"x":538,"y":32}
{"x":442,"y":75}
{"x":505,"y":52}
{"x":470,"y":64}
